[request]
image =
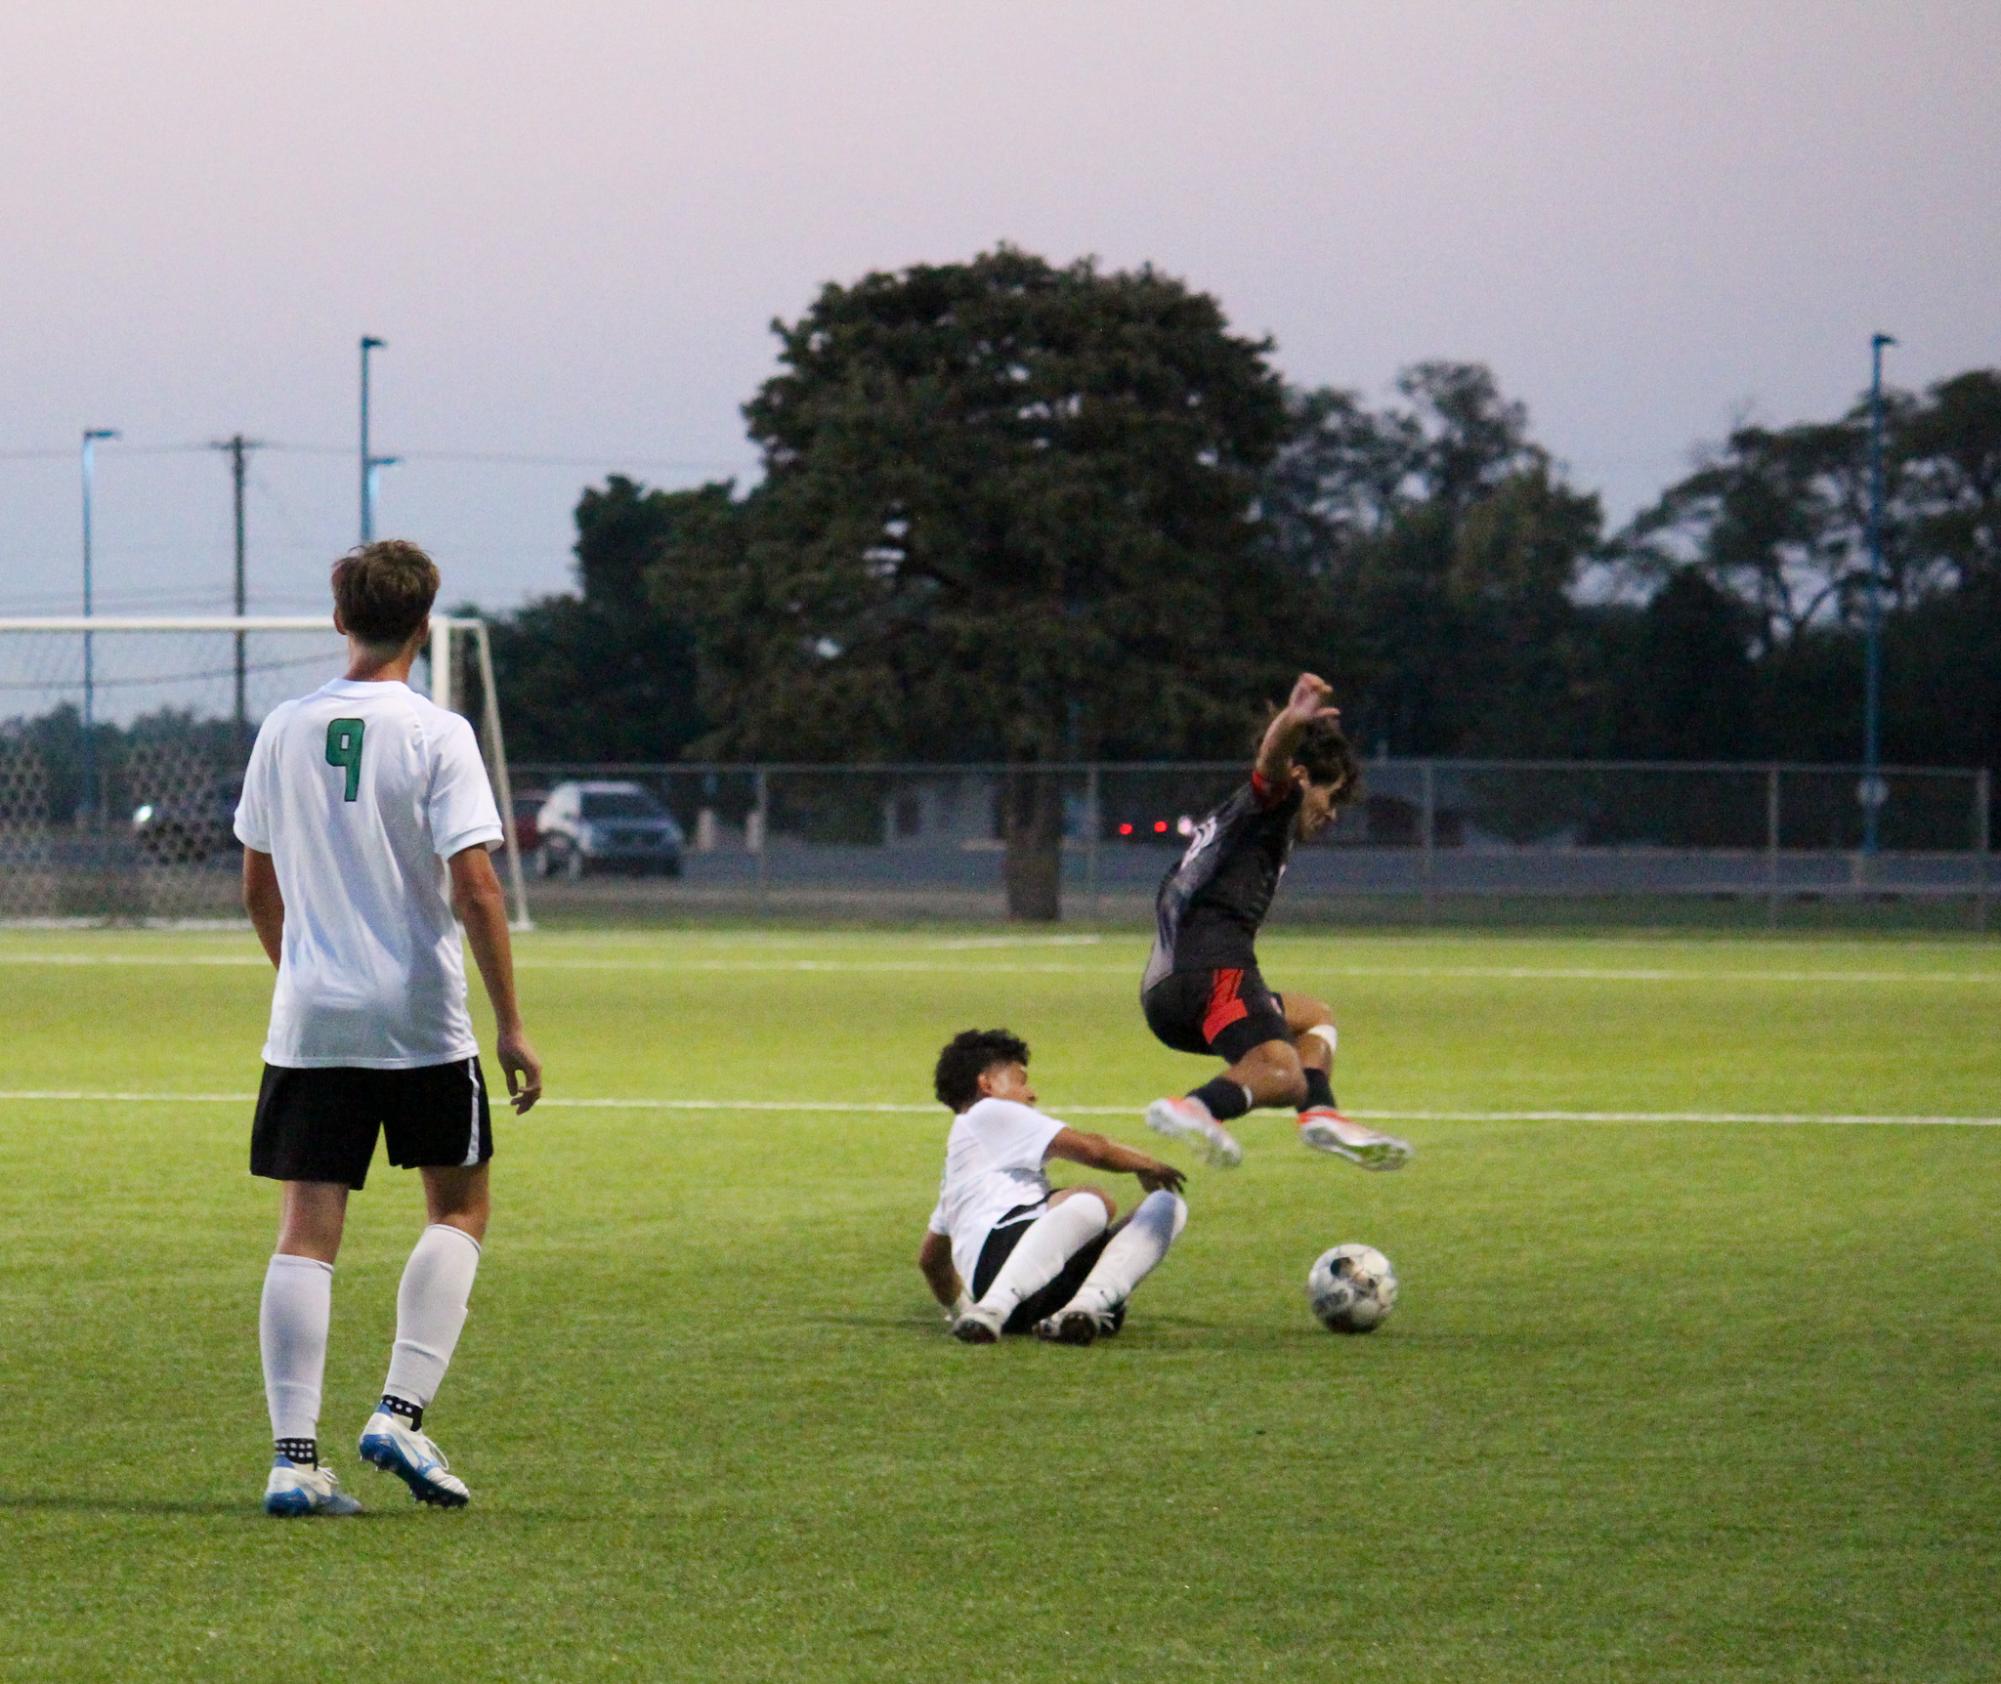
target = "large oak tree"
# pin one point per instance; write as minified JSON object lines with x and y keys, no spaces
{"x":1008,"y":509}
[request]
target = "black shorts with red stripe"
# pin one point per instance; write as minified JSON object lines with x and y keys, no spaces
{"x":1225,"y":1012}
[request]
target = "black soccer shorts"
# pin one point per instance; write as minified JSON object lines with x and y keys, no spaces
{"x":320,"y":1125}
{"x":1000,"y":1243}
{"x":1225,"y":1012}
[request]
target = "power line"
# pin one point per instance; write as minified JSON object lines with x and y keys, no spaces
{"x":526,"y":459}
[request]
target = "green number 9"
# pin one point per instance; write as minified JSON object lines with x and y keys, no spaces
{"x":344,"y":750}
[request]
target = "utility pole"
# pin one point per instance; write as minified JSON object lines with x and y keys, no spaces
{"x":1872,"y":670}
{"x":239,"y":449}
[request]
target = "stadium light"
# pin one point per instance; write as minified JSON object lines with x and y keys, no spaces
{"x":91,"y":435}
{"x":1872,"y":791}
{"x":368,"y":463}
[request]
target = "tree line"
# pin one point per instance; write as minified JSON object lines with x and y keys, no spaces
{"x":1019,"y":512}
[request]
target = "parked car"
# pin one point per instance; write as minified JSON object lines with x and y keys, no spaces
{"x":188,"y":829}
{"x":527,"y":832}
{"x":602,"y":825}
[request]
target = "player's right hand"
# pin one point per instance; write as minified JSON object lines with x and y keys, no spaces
{"x":524,"y":1070}
{"x":1309,"y":699}
{"x":1160,"y":1178}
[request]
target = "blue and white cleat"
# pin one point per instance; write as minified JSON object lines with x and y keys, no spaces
{"x":394,"y":1446}
{"x":296,"y":1488}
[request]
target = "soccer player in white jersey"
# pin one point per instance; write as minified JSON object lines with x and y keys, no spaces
{"x":1002,"y":1252}
{"x":365,"y":821}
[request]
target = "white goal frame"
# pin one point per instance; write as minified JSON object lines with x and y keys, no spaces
{"x":445,"y":630}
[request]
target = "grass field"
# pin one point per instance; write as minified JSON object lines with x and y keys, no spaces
{"x":1670,"y":1394}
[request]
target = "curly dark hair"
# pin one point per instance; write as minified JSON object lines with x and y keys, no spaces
{"x":968,"y":1056}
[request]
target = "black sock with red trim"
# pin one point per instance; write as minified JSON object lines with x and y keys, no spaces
{"x":1319,"y":1090}
{"x":1226,"y":1099}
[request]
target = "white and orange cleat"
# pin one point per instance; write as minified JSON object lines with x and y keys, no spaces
{"x":1326,"y":1130}
{"x":1189,"y":1119}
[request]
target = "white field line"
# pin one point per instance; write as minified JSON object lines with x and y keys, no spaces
{"x":983,"y":967}
{"x":841,"y":1108}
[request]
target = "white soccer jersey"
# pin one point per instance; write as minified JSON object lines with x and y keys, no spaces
{"x":993,"y":1162}
{"x":359,"y":793}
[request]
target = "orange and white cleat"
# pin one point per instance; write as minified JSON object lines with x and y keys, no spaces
{"x":1326,"y":1130}
{"x":1189,"y":1119}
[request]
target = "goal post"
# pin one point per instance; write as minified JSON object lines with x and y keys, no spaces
{"x":123,"y":741}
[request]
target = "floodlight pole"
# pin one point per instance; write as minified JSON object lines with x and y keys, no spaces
{"x":368,"y":463}
{"x":1872,"y":671}
{"x":89,"y":805}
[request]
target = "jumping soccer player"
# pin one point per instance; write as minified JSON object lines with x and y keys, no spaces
{"x":365,"y":822}
{"x":1003,"y":1253}
{"x":1202,"y":992}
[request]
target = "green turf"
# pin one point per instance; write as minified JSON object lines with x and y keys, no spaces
{"x":1663,"y":1400}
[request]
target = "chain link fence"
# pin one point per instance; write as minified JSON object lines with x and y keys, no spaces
{"x":1429,"y":839}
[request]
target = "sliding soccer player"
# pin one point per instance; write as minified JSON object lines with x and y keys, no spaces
{"x":1002,"y":1252}
{"x":1203,"y":992}
{"x":365,"y":821}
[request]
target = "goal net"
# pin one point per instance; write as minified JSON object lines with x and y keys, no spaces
{"x":123,"y":743}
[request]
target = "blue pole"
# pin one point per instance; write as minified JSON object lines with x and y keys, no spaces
{"x":368,"y":343}
{"x":375,"y":466}
{"x":88,"y":802}
{"x":1872,"y":671}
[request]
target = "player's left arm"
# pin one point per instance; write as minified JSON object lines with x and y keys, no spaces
{"x":934,"y":1259}
{"x":482,"y":908}
{"x":1096,"y":1151}
{"x":264,"y":901}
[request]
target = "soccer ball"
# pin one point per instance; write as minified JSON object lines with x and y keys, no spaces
{"x":1352,"y":1288}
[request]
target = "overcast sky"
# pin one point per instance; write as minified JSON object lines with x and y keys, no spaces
{"x":573,"y":225}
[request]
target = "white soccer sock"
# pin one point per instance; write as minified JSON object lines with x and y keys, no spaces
{"x":1039,"y":1255}
{"x":292,"y":1333}
{"x":1134,"y":1253}
{"x":430,"y":1311}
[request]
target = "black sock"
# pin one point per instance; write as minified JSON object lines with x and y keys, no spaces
{"x":409,"y":1411}
{"x":302,"y":1452}
{"x":1319,"y":1089}
{"x":1226,"y":1099}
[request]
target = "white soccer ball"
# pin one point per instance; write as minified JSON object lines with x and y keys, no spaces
{"x":1352,"y":1288}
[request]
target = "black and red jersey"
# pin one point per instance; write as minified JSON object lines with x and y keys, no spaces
{"x":1210,"y":904}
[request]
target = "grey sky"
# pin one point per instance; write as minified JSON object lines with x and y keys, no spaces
{"x":573,"y":224}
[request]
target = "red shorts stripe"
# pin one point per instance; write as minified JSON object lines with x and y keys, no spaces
{"x":1225,"y":1008}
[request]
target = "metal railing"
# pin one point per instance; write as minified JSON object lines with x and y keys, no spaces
{"x":922,"y":837}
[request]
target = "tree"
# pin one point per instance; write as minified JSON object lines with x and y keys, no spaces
{"x":607,"y":674}
{"x":1445,"y":548}
{"x":1007,"y":510}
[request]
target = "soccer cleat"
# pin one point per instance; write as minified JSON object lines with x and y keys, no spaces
{"x":296,"y":1488}
{"x":396,"y":1447}
{"x":978,"y":1327}
{"x":1188,"y":1119}
{"x":1074,"y":1327}
{"x":1326,"y":1130}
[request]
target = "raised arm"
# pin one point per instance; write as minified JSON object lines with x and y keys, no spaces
{"x":482,"y":909}
{"x":265,"y":903}
{"x":1099,"y":1152}
{"x":1307,"y":703}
